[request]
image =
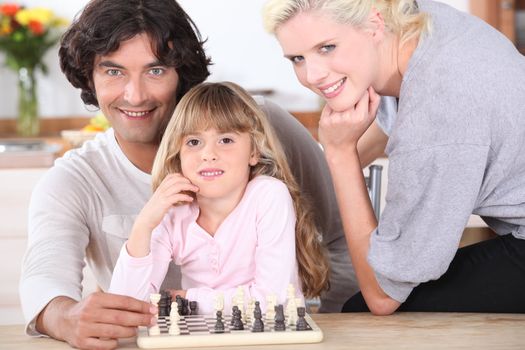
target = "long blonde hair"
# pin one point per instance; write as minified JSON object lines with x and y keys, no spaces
{"x":227,"y":107}
{"x":402,"y":17}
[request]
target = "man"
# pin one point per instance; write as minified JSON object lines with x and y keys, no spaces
{"x":134,"y":59}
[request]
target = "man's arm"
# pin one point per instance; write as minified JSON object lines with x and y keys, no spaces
{"x":50,"y":284}
{"x":95,"y":322}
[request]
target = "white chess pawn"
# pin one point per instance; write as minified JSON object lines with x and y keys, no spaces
{"x":249,"y":311}
{"x":174,"y":313}
{"x":219,"y":302}
{"x":271,"y":301}
{"x":239,"y":299}
{"x":290,"y":300}
{"x":174,"y":327}
{"x":154,"y":298}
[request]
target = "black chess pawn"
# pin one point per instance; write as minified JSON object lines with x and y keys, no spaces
{"x":237,"y":320}
{"x":235,"y":308}
{"x":279,"y":318}
{"x":193,"y":308}
{"x":219,"y":325}
{"x":301,"y":324}
{"x":258,"y":324}
{"x":185,"y":308}
{"x":178,"y":300}
{"x":164,"y":303}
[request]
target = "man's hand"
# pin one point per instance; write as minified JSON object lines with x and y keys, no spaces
{"x":95,"y":322}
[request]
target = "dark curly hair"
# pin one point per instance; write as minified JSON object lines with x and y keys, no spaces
{"x":104,"y":24}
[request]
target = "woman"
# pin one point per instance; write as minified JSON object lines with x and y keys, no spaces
{"x":455,"y":146}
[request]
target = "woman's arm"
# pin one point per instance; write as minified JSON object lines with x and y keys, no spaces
{"x":339,"y":133}
{"x":371,"y":145}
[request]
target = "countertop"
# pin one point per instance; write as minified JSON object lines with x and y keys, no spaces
{"x":364,"y":331}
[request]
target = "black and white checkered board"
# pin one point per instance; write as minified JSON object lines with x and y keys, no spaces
{"x":198,"y":330}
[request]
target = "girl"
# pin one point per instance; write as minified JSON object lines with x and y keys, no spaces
{"x":225,"y":208}
{"x":455,"y":146}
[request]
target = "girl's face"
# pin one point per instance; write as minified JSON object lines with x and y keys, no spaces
{"x":218,"y":163}
{"x":336,"y":61}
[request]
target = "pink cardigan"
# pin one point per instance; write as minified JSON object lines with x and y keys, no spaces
{"x":254,"y":247}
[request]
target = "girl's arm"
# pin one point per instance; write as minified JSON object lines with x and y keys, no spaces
{"x":339,"y":133}
{"x":138,"y":272}
{"x":169,"y":193}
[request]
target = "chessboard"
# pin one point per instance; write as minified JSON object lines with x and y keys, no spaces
{"x":198,"y":331}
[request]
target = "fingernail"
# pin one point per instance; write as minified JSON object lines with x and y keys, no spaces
{"x":153,"y":321}
{"x":153,"y":309}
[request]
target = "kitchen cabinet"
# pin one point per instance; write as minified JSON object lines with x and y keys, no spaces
{"x":16,"y":186}
{"x":504,"y":15}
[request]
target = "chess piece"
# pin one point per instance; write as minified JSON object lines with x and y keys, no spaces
{"x":174,"y":326}
{"x":185,"y":308}
{"x":237,"y":320}
{"x":238,"y":298}
{"x":301,"y":324}
{"x":235,"y":308}
{"x":248,"y":315}
{"x":193,"y":308}
{"x":291,"y":306}
{"x":271,"y":301}
{"x":154,"y":330}
{"x":258,"y":325}
{"x":178,"y":300}
{"x":290,"y":301}
{"x":279,"y":318}
{"x":219,"y":325}
{"x":174,"y":314}
{"x":164,"y":303}
{"x":219,"y":302}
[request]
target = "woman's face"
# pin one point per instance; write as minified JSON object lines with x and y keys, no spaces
{"x":336,"y":61}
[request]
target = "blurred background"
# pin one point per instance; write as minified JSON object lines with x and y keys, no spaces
{"x":240,"y":48}
{"x":242,"y":52}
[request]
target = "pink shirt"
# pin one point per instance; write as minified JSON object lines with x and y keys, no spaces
{"x":254,"y":247}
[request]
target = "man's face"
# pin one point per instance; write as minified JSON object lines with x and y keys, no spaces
{"x":135,"y":91}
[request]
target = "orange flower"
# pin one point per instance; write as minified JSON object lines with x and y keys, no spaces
{"x":9,"y":9}
{"x":36,"y":27}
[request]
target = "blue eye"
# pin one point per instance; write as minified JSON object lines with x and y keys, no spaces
{"x":157,"y":71}
{"x":113,"y":72}
{"x":327,"y":48}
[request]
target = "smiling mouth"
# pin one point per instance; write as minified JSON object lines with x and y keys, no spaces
{"x":136,"y":114}
{"x":334,"y":87}
{"x":211,"y":173}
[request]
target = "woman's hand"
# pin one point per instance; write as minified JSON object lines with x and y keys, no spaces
{"x":342,"y":130}
{"x":172,"y":191}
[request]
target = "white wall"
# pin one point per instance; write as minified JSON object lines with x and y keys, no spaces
{"x":241,"y":50}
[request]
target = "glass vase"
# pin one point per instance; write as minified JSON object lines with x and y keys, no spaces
{"x":27,"y":123}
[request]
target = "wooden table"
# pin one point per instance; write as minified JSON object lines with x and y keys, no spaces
{"x":364,"y":331}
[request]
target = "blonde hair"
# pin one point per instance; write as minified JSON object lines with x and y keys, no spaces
{"x":227,"y":107}
{"x":402,"y":17}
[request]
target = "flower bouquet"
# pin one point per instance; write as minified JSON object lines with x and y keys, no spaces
{"x":25,"y":36}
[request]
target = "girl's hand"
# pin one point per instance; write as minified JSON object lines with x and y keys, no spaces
{"x":169,"y":193}
{"x":342,"y":130}
{"x":172,"y":191}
